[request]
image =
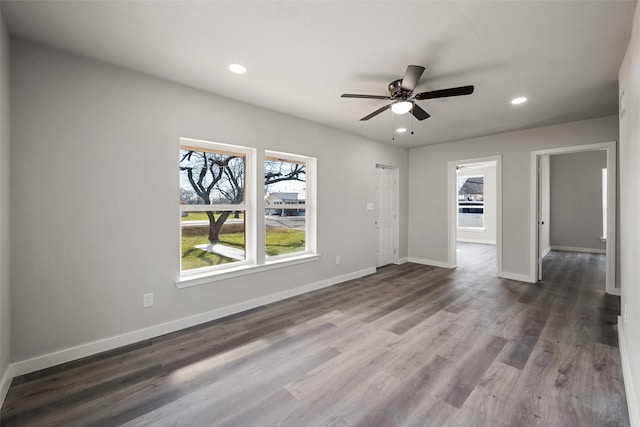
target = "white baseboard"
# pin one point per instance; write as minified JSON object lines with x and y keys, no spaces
{"x":472,"y":240}
{"x":5,"y":382}
{"x":632,"y":401}
{"x":403,"y":260}
{"x":546,"y":252}
{"x":517,"y":276}
{"x":442,"y":264}
{"x":575,"y":249}
{"x":95,"y":347}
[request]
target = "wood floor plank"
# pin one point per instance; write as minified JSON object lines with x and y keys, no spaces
{"x":411,"y":345}
{"x":407,"y":397}
{"x":471,"y":368}
{"x":491,"y":399}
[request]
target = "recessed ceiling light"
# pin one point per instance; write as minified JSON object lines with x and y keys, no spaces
{"x":401,"y":130}
{"x":519,"y":100}
{"x":237,"y":68}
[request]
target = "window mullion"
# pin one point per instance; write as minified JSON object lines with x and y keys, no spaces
{"x":259,"y":220}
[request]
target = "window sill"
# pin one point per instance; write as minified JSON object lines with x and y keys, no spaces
{"x":187,"y":281}
{"x":476,"y":229}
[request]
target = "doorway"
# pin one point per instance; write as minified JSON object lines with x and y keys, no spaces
{"x":540,"y":208}
{"x":475,"y":209}
{"x":387,"y":215}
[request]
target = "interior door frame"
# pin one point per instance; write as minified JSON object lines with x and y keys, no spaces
{"x":610,"y":148}
{"x":452,"y":209}
{"x":395,"y":205}
{"x":543,"y":175}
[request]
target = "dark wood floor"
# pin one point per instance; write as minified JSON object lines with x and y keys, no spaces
{"x":411,"y":345}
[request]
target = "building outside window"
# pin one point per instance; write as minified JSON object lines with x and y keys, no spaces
{"x":470,"y":201}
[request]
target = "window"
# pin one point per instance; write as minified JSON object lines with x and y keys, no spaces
{"x":213,"y":204}
{"x":471,"y":201}
{"x":219,"y":228}
{"x":285,"y":204}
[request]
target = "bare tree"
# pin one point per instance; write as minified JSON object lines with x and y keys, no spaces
{"x":280,"y":170}
{"x":214,"y":178}
{"x":219,"y":178}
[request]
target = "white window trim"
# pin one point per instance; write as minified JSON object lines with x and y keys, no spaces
{"x":237,"y":270}
{"x":255,"y":259}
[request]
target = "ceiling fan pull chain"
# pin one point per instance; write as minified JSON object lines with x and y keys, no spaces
{"x":393,"y":135}
{"x":413,"y":118}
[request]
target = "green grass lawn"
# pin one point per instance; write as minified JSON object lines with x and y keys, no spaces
{"x":278,"y":241}
{"x":284,"y":241}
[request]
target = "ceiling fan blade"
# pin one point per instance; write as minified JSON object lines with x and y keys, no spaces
{"x":375,"y":113}
{"x":353,"y":95}
{"x":411,"y":77}
{"x":419,"y":113}
{"x":443,"y":93}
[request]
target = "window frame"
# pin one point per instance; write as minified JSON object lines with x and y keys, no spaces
{"x":458,"y":207}
{"x":308,"y":206}
{"x":246,"y":206}
{"x":255,"y":259}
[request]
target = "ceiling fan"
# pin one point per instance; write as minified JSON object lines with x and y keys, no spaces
{"x":401,"y":91}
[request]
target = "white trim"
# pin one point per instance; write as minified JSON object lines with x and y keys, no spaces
{"x":610,"y":148}
{"x":546,"y":251}
{"x":403,"y":260}
{"x":88,"y":349}
{"x":472,"y":240}
{"x":516,"y":276}
{"x":629,"y":388}
{"x":575,"y":249}
{"x":209,"y":276}
{"x":5,"y":383}
{"x":452,"y":209}
{"x":442,"y":264}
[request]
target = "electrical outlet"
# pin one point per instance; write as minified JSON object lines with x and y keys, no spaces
{"x":338,"y":260}
{"x":147,"y":300}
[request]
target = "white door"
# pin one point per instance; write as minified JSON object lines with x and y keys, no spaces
{"x":386,"y":215}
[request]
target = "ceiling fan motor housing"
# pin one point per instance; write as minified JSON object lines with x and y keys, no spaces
{"x":396,"y":91}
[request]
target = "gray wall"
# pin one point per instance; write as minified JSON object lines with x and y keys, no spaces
{"x":5,"y":254}
{"x":95,"y":209}
{"x":576,"y":200}
{"x":629,"y":193}
{"x":428,"y":185}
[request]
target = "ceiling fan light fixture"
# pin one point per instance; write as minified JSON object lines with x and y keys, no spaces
{"x":519,"y":100}
{"x":402,"y":107}
{"x":401,"y":130}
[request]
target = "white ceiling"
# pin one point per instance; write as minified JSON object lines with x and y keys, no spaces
{"x":302,"y":55}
